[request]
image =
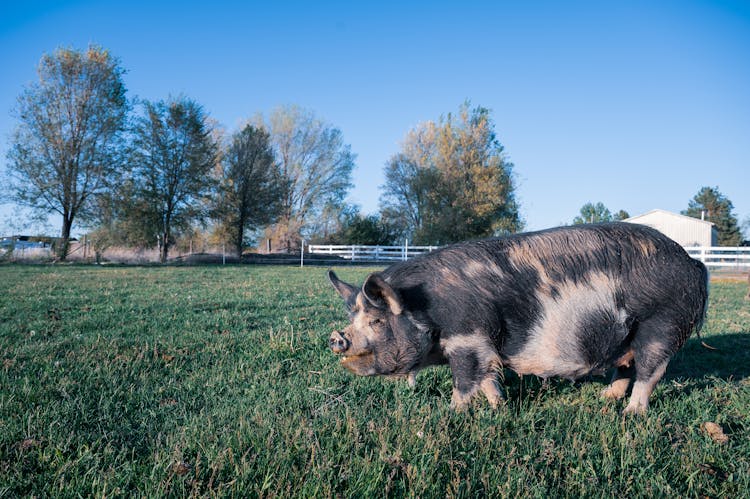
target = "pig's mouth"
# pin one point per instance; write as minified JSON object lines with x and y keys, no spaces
{"x":362,"y":364}
{"x":358,"y":359}
{"x":349,"y":357}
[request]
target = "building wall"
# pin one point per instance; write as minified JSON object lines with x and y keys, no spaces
{"x":687,"y":231}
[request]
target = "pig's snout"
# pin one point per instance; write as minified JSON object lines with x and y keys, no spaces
{"x":338,"y":342}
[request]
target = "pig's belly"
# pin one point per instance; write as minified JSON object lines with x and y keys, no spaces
{"x":580,"y":332}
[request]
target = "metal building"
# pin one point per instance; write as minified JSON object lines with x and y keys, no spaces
{"x":687,"y":231}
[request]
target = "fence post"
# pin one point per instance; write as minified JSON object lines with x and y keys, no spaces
{"x":224,"y":253}
{"x":406,"y":249}
{"x":302,"y":254}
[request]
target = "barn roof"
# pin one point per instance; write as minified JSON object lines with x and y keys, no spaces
{"x":669,"y":213}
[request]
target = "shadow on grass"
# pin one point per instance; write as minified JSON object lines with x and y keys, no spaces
{"x":731,"y":359}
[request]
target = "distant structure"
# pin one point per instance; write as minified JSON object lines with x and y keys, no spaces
{"x":24,"y":242}
{"x":687,"y":231}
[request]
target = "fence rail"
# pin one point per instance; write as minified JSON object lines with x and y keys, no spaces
{"x":713,"y":256}
{"x":362,"y":253}
{"x":721,"y":256}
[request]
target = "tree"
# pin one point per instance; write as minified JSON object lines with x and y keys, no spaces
{"x":716,"y":208}
{"x":593,"y":213}
{"x":251,"y":185}
{"x":620,"y":216}
{"x":316,"y":167}
{"x":355,"y":228}
{"x":67,"y":147}
{"x":451,"y":181}
{"x":368,"y":229}
{"x":596,"y":213}
{"x":174,"y":154}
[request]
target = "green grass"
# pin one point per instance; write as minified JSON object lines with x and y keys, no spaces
{"x":217,"y":381}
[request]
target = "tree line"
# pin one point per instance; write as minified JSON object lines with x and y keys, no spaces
{"x":146,"y":173}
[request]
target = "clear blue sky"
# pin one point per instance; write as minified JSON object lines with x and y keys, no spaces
{"x":635,"y":104}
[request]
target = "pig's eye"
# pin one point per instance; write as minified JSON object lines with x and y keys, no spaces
{"x":375,"y":322}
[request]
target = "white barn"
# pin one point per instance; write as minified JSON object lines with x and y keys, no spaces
{"x":687,"y":231}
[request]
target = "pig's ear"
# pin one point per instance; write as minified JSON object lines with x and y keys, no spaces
{"x":381,"y":294}
{"x":347,"y":291}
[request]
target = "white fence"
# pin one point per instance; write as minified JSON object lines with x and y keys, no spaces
{"x":714,"y":256}
{"x":721,"y":256}
{"x":361,"y":253}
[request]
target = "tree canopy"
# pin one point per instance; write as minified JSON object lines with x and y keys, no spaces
{"x":451,"y":181}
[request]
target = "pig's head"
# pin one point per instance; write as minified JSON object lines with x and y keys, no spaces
{"x":382,"y":338}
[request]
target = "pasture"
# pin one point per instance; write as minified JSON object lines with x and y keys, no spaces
{"x":217,"y":381}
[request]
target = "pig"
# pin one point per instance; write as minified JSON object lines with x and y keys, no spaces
{"x":565,"y":302}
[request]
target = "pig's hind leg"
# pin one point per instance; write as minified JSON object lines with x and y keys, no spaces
{"x":618,"y":385}
{"x":643,"y":388}
{"x":621,"y":378}
{"x":652,"y":352}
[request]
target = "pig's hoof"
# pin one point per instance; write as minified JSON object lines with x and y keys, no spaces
{"x":411,"y":379}
{"x":460,"y":408}
{"x":613,"y":393}
{"x":497,"y":403}
{"x":460,"y":401}
{"x":492,"y":392}
{"x":637,"y":410}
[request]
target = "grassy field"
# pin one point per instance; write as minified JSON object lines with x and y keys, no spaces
{"x":217,"y":381}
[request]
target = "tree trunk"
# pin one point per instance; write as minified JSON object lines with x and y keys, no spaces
{"x":62,"y":252}
{"x":164,"y":253}
{"x":166,"y":234}
{"x":240,"y":234}
{"x":238,"y":246}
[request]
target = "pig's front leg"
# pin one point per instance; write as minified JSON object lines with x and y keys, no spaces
{"x":474,"y":365}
